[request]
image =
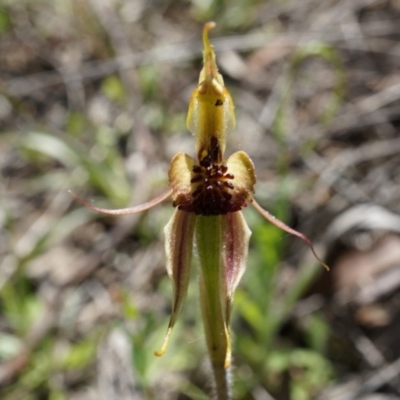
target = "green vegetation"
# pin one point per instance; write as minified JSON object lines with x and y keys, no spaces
{"x":94,"y":100}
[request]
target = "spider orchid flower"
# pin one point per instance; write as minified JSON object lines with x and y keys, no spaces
{"x":208,"y":194}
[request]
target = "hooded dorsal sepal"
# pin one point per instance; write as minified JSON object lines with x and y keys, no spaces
{"x":211,"y":111}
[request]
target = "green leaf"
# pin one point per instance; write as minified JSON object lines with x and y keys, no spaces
{"x":52,"y":146}
{"x":113,"y":88}
{"x":76,"y":123}
{"x":80,"y":354}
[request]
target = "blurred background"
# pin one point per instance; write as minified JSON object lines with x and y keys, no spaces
{"x":93,"y":97}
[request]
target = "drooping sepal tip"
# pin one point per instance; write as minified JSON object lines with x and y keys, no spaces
{"x":164,"y":346}
{"x":281,"y":225}
{"x":178,"y":251}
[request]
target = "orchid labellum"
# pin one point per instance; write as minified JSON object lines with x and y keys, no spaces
{"x":208,"y":194}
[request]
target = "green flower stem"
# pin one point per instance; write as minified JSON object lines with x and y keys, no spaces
{"x":213,"y":299}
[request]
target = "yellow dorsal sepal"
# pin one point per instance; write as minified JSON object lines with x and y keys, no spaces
{"x":211,"y":112}
{"x":210,"y":69}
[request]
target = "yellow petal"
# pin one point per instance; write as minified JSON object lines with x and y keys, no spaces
{"x":244,"y":176}
{"x":178,"y":250}
{"x":180,"y":174}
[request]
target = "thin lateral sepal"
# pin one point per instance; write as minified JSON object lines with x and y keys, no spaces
{"x":281,"y":225}
{"x":124,"y":211}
